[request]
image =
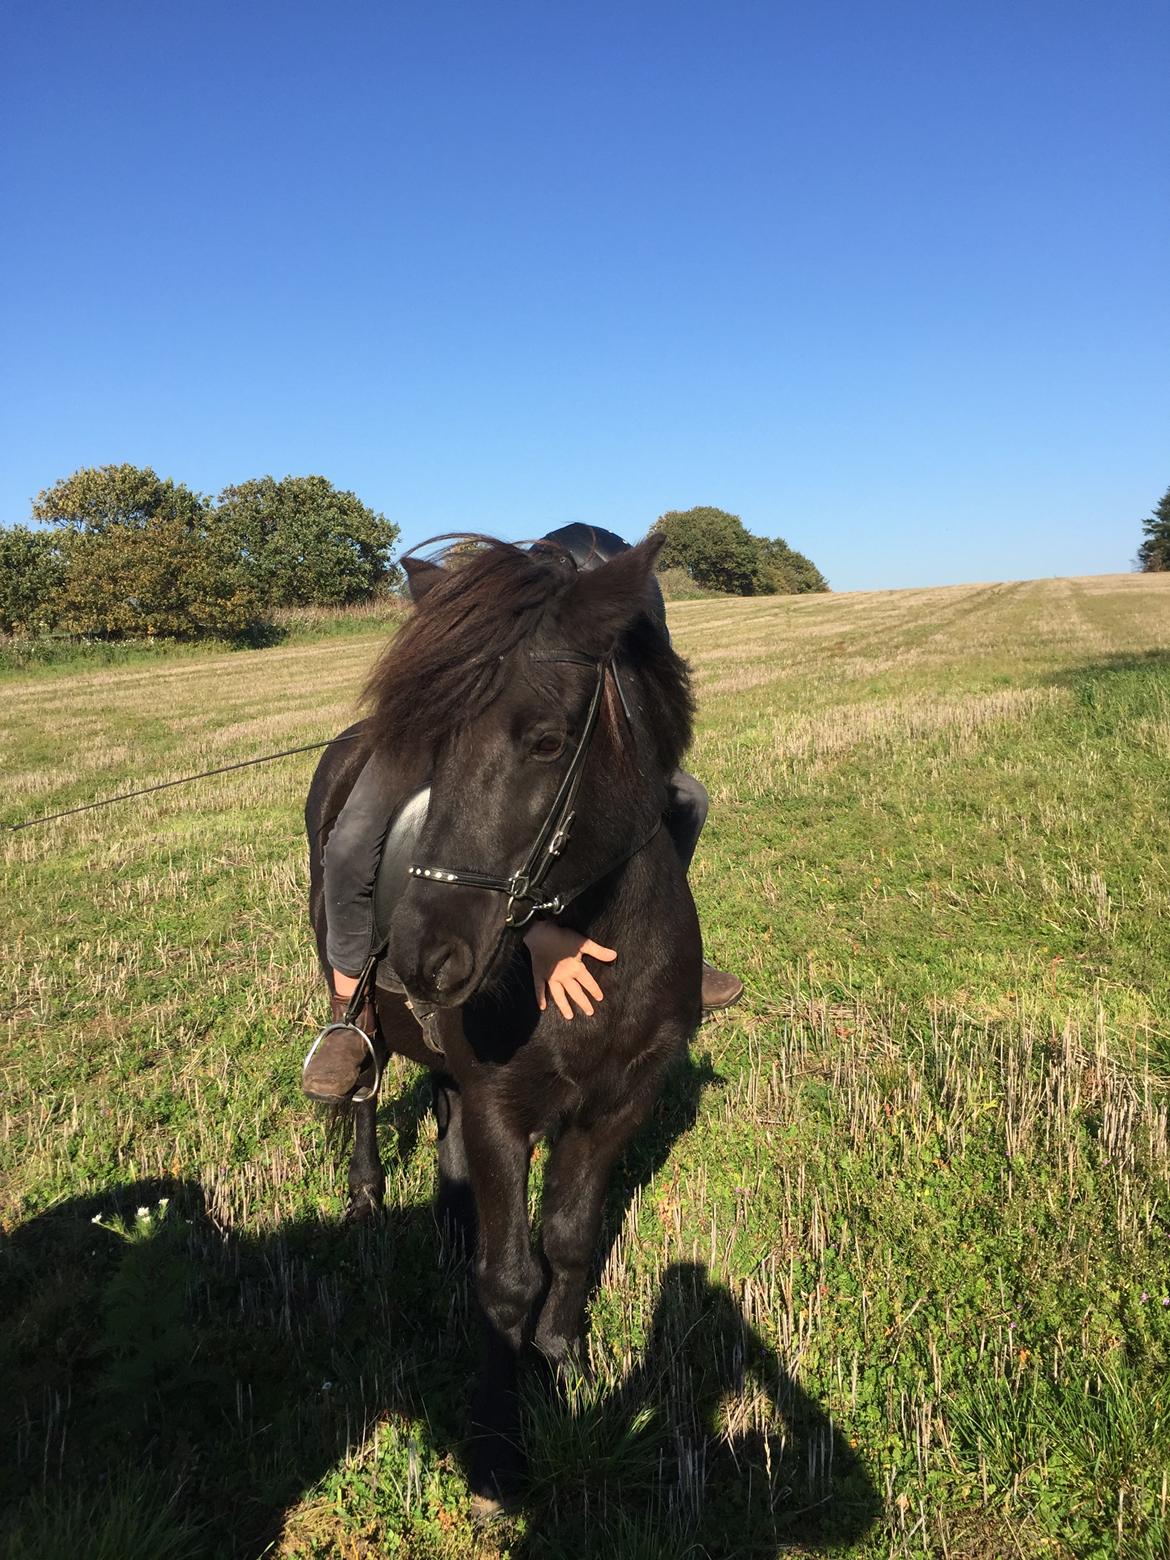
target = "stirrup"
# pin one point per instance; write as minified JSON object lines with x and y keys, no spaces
{"x":362,"y":1095}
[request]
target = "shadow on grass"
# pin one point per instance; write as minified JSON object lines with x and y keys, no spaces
{"x":707,"y":1447}
{"x":1138,"y":664}
{"x":173,"y":1388}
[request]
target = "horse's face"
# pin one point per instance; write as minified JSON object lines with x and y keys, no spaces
{"x":495,"y":781}
{"x":492,"y":787}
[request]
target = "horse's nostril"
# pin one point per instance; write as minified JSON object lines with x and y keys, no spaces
{"x":447,"y":964}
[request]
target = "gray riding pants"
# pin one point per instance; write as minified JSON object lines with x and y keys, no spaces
{"x":354,"y":850}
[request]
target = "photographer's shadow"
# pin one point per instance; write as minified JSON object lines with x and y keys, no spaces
{"x":164,"y":1369}
{"x":174,"y":1387}
{"x":709,"y":1447}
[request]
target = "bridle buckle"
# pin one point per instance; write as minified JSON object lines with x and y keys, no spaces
{"x":561,"y":838}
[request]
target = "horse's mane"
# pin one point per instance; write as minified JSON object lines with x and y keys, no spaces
{"x":454,"y":654}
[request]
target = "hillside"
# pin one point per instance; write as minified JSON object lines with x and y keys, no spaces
{"x":890,"y":1268}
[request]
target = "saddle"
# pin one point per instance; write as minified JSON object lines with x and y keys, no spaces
{"x":399,"y":852}
{"x":350,"y":1038}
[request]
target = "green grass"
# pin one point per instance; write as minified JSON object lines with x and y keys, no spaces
{"x":888,"y":1272}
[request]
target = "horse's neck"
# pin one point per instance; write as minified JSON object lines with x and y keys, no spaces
{"x":634,"y":893}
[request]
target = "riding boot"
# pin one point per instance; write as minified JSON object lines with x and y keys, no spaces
{"x":340,"y":1065}
{"x":720,"y":988}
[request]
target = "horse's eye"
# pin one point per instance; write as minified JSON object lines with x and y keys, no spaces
{"x":548,"y":746}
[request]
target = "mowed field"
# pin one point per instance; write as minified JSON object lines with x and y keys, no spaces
{"x":886,"y":1274}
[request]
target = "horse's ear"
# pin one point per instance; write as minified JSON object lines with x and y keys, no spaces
{"x":421,"y":576}
{"x":605,"y":601}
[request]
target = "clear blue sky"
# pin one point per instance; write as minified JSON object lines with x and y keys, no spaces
{"x":891,"y":279}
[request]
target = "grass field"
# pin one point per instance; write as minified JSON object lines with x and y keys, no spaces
{"x":889,"y":1271}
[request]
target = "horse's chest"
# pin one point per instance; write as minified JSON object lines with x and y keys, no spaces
{"x":544,"y":1092}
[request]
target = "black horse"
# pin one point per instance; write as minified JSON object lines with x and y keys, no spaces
{"x":524,"y":692}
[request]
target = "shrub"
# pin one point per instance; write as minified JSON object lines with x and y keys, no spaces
{"x":717,"y":552}
{"x":31,"y":573}
{"x":307,"y":543}
{"x":677,"y":585}
{"x":165,"y":578}
{"x":712,"y":546}
{"x":782,"y":571}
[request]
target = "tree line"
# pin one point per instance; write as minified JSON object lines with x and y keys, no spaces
{"x":124,"y":553}
{"x":118,"y":552}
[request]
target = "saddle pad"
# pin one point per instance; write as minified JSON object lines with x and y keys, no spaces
{"x":398,"y":853}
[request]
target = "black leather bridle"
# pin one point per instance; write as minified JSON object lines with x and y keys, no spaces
{"x":524,"y":887}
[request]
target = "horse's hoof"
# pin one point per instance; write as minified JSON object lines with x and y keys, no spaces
{"x":563,"y":1366}
{"x":365,"y":1203}
{"x":496,"y":1474}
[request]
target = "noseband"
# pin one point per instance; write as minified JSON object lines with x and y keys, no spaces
{"x":523,"y":888}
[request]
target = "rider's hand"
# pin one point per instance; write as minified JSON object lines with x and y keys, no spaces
{"x":558,"y":969}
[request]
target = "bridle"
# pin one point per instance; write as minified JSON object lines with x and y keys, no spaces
{"x":524,"y":888}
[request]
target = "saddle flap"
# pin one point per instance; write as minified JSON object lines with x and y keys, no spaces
{"x":398,"y":852}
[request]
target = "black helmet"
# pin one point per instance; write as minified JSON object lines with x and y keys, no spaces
{"x":590,"y":545}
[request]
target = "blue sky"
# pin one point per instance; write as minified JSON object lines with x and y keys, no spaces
{"x":888,"y":280}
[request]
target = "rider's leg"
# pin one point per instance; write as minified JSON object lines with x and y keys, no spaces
{"x":340,"y":1064}
{"x":686,"y":813}
{"x":352,"y":854}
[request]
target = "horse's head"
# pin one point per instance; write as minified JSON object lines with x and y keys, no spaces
{"x":496,"y":675}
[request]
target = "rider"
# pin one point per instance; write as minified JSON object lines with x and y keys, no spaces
{"x":339,"y":1063}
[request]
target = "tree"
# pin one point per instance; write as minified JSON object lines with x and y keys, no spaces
{"x":712,"y":546}
{"x":306,"y":542}
{"x":1154,"y":553}
{"x":782,"y":571}
{"x":164,"y":578}
{"x":717,"y":550}
{"x":143,"y":555}
{"x":136,"y":553}
{"x":31,"y":572}
{"x":97,"y":498}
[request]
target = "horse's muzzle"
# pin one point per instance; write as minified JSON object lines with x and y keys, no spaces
{"x":445,"y":968}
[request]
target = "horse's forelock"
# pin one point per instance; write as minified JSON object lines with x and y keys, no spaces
{"x":457,"y":650}
{"x":452,"y":657}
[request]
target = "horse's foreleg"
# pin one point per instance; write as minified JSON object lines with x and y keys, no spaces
{"x":508,"y":1281}
{"x":454,"y":1203}
{"x":367,"y":1179}
{"x":575,"y":1183}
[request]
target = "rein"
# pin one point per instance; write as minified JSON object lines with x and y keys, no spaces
{"x":165,"y":785}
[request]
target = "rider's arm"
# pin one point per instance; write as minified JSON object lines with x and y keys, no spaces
{"x":559,"y":971}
